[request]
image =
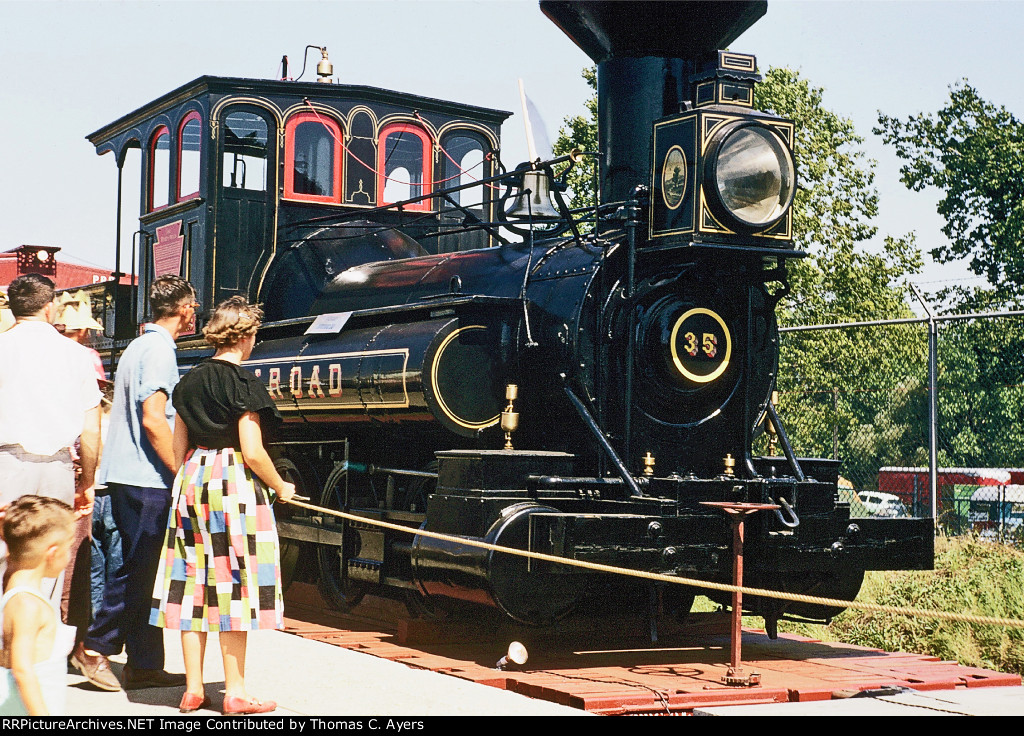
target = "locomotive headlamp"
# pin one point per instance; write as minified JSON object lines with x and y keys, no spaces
{"x":751,"y":176}
{"x":722,"y":172}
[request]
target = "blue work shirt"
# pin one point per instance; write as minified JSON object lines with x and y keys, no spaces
{"x":148,"y":365}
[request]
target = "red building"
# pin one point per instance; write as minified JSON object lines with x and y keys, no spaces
{"x":42,"y":259}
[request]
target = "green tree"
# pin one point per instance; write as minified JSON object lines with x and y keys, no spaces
{"x":857,"y":393}
{"x":981,"y":393}
{"x":973,"y":152}
{"x":580,"y":132}
{"x":835,"y":204}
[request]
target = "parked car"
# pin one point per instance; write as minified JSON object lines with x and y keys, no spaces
{"x":996,"y":512}
{"x":872,"y":503}
{"x":877,"y":503}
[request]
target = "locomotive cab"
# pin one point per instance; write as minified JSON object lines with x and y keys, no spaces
{"x":236,"y":174}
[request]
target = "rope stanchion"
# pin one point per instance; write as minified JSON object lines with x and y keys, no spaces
{"x":674,"y":580}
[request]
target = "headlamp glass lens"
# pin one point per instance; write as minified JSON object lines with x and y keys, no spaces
{"x":754,"y":176}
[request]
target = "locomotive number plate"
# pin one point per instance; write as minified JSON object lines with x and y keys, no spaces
{"x":701,"y":345}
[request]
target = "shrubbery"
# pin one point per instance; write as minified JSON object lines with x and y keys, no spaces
{"x":971,"y":577}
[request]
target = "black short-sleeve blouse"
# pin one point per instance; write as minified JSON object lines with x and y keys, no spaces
{"x":211,"y":397}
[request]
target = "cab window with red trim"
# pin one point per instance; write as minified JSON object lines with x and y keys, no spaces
{"x":312,"y":158}
{"x":159,"y":168}
{"x":404,"y":165}
{"x":190,"y":137}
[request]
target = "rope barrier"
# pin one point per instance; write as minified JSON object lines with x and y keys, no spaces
{"x":674,"y":580}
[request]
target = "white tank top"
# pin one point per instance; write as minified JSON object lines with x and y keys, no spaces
{"x":52,"y":671}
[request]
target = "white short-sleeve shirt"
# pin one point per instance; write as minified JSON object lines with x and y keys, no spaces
{"x":47,"y":384}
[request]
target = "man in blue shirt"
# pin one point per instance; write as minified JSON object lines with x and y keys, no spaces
{"x":138,"y":468}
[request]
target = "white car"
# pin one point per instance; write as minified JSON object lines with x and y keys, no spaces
{"x":877,"y":503}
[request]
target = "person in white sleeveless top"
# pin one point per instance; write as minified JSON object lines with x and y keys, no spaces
{"x":39,"y":532}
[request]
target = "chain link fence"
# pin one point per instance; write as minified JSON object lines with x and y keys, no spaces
{"x":911,"y":405}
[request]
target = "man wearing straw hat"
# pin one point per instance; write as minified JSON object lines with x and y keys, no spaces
{"x":75,"y":320}
{"x":92,"y":563}
{"x":6,"y":315}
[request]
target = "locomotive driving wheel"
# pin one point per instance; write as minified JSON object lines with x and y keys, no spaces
{"x":292,"y":550}
{"x":414,"y":499}
{"x":677,"y":601}
{"x":337,"y":589}
{"x":840,"y":585}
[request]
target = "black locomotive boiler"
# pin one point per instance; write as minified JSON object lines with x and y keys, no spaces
{"x":455,"y":352}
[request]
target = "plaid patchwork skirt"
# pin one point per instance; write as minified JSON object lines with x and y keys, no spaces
{"x":220,"y":570}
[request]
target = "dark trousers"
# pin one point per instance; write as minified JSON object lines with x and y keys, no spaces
{"x":140,"y":515}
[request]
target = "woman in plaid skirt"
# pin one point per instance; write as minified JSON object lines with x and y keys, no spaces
{"x":220,"y":570}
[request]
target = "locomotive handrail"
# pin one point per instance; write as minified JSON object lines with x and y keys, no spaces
{"x":503,"y":177}
{"x":672,"y":579}
{"x":555,"y":481}
{"x":374,"y":470}
{"x":435,"y":301}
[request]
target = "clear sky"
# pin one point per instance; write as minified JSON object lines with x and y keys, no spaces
{"x":72,"y":66}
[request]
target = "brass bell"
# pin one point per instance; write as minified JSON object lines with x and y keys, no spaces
{"x":536,"y":203}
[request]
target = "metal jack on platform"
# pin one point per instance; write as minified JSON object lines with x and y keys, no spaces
{"x":736,"y":676}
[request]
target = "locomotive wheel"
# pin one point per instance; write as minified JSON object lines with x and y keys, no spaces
{"x":677,"y":600}
{"x":335,"y":587}
{"x":292,"y":550}
{"x":418,"y":489}
{"x":843,"y":587}
{"x":415,"y":499}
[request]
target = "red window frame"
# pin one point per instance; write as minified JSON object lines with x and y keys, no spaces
{"x":289,"y":157}
{"x":177,"y":176}
{"x":428,"y":163}
{"x":157,"y":134}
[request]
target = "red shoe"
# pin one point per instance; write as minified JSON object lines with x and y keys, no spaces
{"x":235,"y":706}
{"x":191,"y":703}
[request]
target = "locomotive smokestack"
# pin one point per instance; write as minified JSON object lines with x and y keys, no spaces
{"x":645,"y":54}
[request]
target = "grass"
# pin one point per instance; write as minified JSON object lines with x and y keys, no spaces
{"x":970,"y":576}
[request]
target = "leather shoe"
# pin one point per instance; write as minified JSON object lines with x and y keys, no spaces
{"x":95,"y":668}
{"x":191,"y":703}
{"x":135,"y":679}
{"x":235,"y":706}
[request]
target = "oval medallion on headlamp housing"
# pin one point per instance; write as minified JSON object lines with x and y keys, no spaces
{"x":723,"y":172}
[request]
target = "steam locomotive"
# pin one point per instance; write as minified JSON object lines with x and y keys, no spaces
{"x":455,"y":350}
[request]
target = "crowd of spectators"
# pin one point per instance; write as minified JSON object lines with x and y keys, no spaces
{"x":132,"y":458}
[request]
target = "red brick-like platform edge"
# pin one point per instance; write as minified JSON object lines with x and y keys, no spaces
{"x":612,"y":668}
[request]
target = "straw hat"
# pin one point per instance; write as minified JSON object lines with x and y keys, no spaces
{"x":76,"y":315}
{"x":6,"y":315}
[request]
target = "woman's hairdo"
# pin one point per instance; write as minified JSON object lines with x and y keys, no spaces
{"x":234,"y":319}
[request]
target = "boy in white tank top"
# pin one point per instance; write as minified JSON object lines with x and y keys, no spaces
{"x":39,"y":532}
